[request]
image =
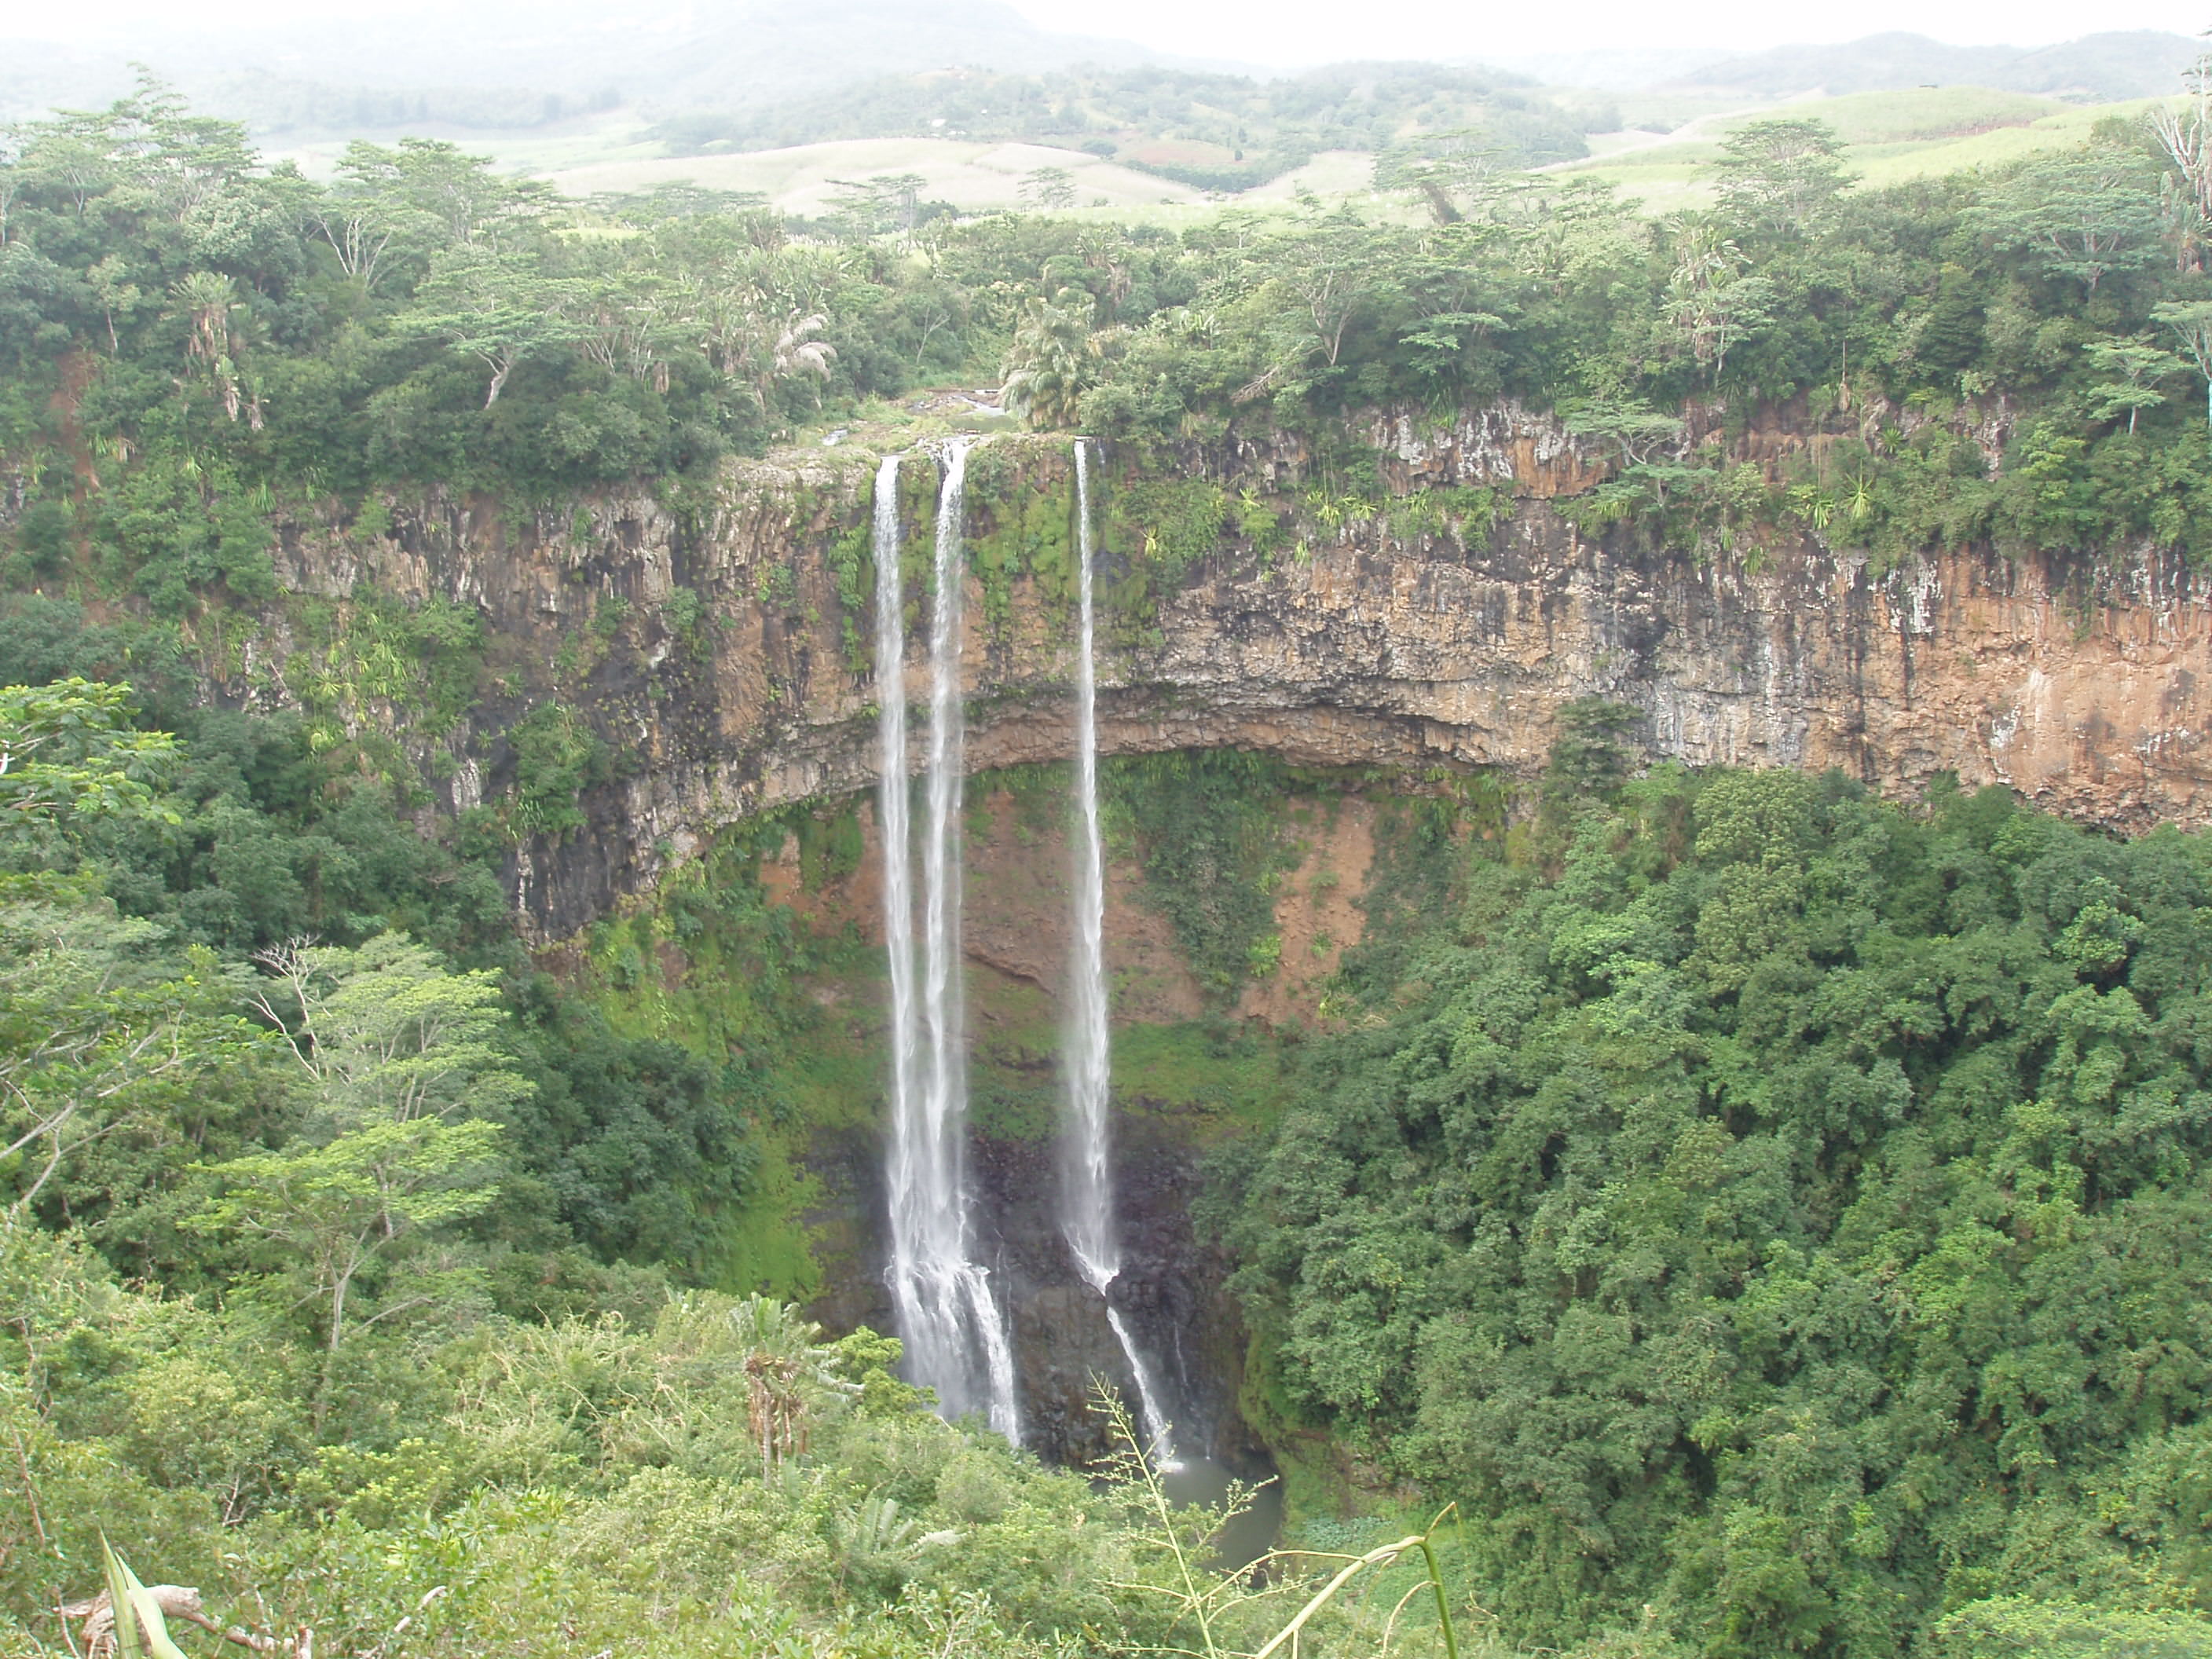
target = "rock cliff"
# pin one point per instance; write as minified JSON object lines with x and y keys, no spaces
{"x":713,"y":643}
{"x":1437,"y":613}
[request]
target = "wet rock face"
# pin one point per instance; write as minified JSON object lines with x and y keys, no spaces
{"x":2087,"y":688}
{"x":1170,"y":1290}
{"x":1168,"y":1293}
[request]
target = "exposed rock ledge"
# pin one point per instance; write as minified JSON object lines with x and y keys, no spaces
{"x":2084,"y":690}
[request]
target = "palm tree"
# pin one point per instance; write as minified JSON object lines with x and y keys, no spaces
{"x":786,"y":1366}
{"x":1045,"y":365}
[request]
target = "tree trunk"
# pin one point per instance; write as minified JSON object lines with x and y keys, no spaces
{"x":330,"y":1367}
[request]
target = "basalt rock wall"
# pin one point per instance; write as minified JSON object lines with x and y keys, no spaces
{"x":716,"y":646}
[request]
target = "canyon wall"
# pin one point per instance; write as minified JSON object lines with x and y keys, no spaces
{"x":715,"y":642}
{"x":712,"y":643}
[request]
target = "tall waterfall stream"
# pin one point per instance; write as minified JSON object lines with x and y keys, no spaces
{"x":1087,"y":1179}
{"x":954,"y":1330}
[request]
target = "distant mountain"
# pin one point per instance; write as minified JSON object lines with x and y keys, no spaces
{"x":519,"y":62}
{"x":2096,"y":69}
{"x":1610,"y":69}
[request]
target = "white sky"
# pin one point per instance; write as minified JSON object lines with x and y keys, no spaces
{"x":1315,"y":31}
{"x":1294,"y":32}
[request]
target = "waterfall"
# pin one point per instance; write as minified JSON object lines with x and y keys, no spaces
{"x":947,"y":1316}
{"x":1087,"y":1186}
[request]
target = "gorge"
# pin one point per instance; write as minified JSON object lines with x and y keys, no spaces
{"x":1435,"y":629}
{"x":675,"y":875}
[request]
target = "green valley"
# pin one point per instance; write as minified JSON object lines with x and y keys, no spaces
{"x":1107,"y":861}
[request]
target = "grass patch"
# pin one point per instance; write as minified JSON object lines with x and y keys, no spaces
{"x":1224,"y":1079}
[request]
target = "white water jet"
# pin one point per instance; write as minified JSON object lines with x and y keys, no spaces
{"x":1087,"y":1186}
{"x":954,"y":1331}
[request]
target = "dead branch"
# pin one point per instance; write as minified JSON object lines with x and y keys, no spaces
{"x":176,"y":1602}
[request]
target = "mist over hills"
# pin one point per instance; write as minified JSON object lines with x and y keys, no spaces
{"x":2096,"y":69}
{"x":732,"y":75}
{"x":509,"y":63}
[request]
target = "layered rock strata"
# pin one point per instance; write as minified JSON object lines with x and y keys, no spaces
{"x":726,"y":684}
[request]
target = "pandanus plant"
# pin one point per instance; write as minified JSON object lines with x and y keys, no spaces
{"x":207,"y":300}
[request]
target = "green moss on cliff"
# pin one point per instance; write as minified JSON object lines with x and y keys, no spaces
{"x":1021,"y":523}
{"x":713,"y":963}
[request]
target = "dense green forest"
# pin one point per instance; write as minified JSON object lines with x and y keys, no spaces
{"x":1771,"y":1209}
{"x":1774,"y":1217}
{"x":191,"y":339}
{"x":2009,"y":356}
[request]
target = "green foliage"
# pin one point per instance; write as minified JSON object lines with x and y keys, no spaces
{"x":141,"y":1631}
{"x":556,"y":757}
{"x":2019,"y":1628}
{"x":1021,"y":524}
{"x":1222,"y":132}
{"x":709,"y":1468}
{"x":1204,"y":825}
{"x":1046,"y":368}
{"x":1762,"y":1215}
{"x":1780,"y":175}
{"x":1157,"y":529}
{"x":331,"y":1213}
{"x":68,"y":757}
{"x":1589,"y":758}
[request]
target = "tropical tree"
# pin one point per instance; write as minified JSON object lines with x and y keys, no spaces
{"x":2184,"y":132}
{"x":425,"y":190}
{"x":1631,"y":426}
{"x":1049,"y":190}
{"x":1781,"y":176}
{"x":2080,"y":216}
{"x":96,"y":1041}
{"x":372,"y":1194}
{"x":1453,"y":172}
{"x":797,"y":350}
{"x":403,"y":1064}
{"x":2130,"y":372}
{"x":209,"y":302}
{"x":69,"y":754}
{"x":1047,"y":365}
{"x":2191,"y":323}
{"x":1714,"y":305}
{"x":387,"y":1031}
{"x":499,"y":308}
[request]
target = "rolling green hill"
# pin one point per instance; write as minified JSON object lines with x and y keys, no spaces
{"x":2096,"y":69}
{"x":1222,"y":132}
{"x":1890,"y":137}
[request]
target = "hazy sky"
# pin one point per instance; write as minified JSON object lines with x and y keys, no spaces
{"x":1286,"y":31}
{"x":1292,"y":31}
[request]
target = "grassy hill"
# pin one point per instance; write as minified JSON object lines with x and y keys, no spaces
{"x":1891,"y":137}
{"x":1924,"y":132}
{"x":804,"y":178}
{"x":1220,"y":132}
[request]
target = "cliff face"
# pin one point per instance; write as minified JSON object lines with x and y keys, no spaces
{"x":716,"y":650}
